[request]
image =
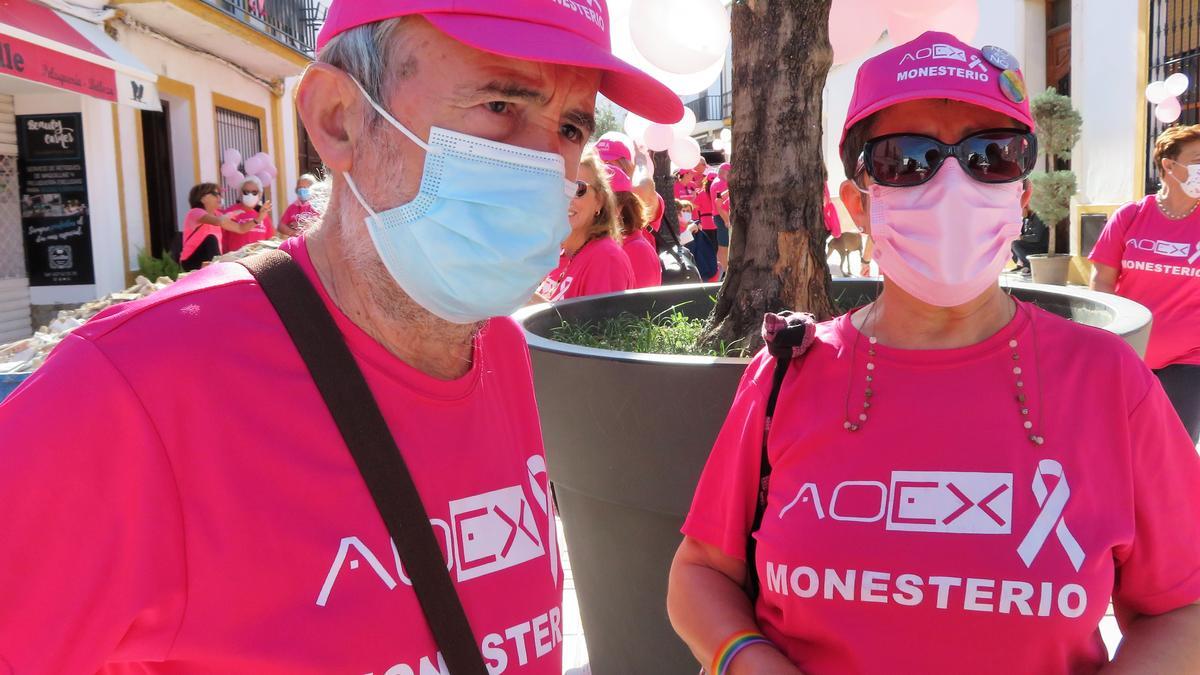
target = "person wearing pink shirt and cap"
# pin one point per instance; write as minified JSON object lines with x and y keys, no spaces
{"x":178,"y":523}
{"x":633,"y":216}
{"x":953,"y":481}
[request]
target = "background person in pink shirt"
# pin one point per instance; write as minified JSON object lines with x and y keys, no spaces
{"x":251,"y":210}
{"x":591,"y":262}
{"x":176,"y":524}
{"x":301,"y":211}
{"x":958,"y":482}
{"x":1149,"y":251}
{"x":632,"y":214}
{"x":203,"y":227}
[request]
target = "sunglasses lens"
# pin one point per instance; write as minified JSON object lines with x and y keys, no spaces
{"x":581,"y":188}
{"x":998,"y":157}
{"x":903,"y":161}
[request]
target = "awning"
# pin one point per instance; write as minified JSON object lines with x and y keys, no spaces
{"x":41,"y":45}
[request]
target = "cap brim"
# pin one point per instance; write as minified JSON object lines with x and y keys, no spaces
{"x":621,"y":83}
{"x":951,"y":94}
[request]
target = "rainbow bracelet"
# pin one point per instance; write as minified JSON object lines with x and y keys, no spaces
{"x":736,"y":643}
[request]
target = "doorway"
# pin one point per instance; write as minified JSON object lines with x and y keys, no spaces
{"x":1058,"y":45}
{"x":160,"y":181}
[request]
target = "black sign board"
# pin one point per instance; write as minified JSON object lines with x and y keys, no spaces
{"x":54,"y":201}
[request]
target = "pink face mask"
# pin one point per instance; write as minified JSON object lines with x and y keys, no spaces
{"x":946,"y":241}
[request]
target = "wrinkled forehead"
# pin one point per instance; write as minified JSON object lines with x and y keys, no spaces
{"x":946,"y":120}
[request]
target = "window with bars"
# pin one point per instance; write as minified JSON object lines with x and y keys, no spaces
{"x":242,"y":133}
{"x":1174,"y":48}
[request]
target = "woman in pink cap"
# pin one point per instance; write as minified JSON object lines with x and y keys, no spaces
{"x":953,"y":481}
{"x":591,"y":262}
{"x":1150,"y":252}
{"x":632,"y":215}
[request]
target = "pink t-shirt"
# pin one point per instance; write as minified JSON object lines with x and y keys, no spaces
{"x":171,"y":523}
{"x":195,"y":232}
{"x":704,"y":204}
{"x":660,"y":209}
{"x":601,"y":266}
{"x":234,"y":241}
{"x":298,"y":214}
{"x":1159,"y":266}
{"x":647,"y":271}
{"x":938,"y":538}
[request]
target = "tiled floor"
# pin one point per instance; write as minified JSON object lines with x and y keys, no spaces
{"x":575,"y":656}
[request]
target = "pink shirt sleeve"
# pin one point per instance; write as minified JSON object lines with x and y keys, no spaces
{"x":1110,"y":247}
{"x":1160,"y":570}
{"x":91,"y":542}
{"x":723,"y":507}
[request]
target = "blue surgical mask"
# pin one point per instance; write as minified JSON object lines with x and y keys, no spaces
{"x":303,"y":194}
{"x":484,"y":230}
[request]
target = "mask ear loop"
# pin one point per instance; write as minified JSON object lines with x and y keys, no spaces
{"x":394,"y":122}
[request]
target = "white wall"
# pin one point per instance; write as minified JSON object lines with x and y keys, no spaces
{"x":183,"y":167}
{"x":1104,"y":83}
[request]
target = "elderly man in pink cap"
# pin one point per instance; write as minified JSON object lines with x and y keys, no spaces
{"x":393,"y":515}
{"x":954,"y":481}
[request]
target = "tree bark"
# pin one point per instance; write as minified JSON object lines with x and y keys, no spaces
{"x":664,"y":184}
{"x":781,"y":56}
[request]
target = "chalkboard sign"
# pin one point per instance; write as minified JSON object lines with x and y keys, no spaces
{"x":54,"y":201}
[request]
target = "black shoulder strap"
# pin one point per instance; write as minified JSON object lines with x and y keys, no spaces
{"x":790,"y":340}
{"x":370,"y":442}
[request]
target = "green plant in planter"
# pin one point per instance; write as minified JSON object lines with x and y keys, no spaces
{"x":1058,"y":129}
{"x":152,"y":268}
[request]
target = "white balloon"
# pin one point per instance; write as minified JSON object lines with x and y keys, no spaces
{"x":1156,"y":92}
{"x":854,"y":27}
{"x":636,"y":125}
{"x":683,"y":37}
{"x":1176,"y":84}
{"x":659,"y":137}
{"x":685,"y":151}
{"x":686,"y":125}
{"x":623,"y":47}
{"x":727,"y":135}
{"x":1168,"y":111}
{"x":719,"y":145}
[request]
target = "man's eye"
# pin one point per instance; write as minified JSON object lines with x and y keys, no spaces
{"x":572,"y":133}
{"x":498,"y":107}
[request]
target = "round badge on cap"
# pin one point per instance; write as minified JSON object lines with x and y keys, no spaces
{"x":999,"y":57}
{"x":1013,"y":86}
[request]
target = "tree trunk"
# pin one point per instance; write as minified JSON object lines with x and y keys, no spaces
{"x":664,"y":184}
{"x":781,"y":56}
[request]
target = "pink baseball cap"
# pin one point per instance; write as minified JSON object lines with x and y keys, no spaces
{"x":939,"y":65}
{"x":618,"y":180}
{"x":574,"y":33}
{"x":614,"y":145}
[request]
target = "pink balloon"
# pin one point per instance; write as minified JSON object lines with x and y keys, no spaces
{"x":1169,"y":110}
{"x":916,"y":8}
{"x":854,"y":26}
{"x":232,"y":156}
{"x":253,"y":165}
{"x":235,"y":180}
{"x":659,"y":137}
{"x":265,"y":178}
{"x":229,"y":169}
{"x":960,"y":19}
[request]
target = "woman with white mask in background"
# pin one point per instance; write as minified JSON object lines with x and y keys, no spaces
{"x":252,"y":208}
{"x":955,"y":481}
{"x":1149,"y":252}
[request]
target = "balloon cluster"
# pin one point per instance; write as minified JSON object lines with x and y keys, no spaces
{"x":855,"y":25}
{"x":260,"y":166}
{"x":675,"y":138}
{"x":1164,"y":94}
{"x":681,"y":43}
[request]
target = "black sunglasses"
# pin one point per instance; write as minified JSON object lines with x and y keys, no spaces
{"x":581,"y":188}
{"x":992,"y":156}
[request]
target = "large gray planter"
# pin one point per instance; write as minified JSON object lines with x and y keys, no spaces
{"x":627,"y":436}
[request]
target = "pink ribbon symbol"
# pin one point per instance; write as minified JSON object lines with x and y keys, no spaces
{"x":1050,"y":518}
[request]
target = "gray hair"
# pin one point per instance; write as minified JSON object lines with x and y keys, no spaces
{"x":364,"y":53}
{"x":252,"y":179}
{"x":308,"y":177}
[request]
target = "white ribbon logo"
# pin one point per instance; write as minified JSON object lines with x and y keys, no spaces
{"x":1051,"y":517}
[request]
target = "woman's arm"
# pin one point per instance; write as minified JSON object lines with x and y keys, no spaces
{"x":226,"y":223}
{"x":707,"y":605}
{"x":1104,"y":277}
{"x":1166,"y":643}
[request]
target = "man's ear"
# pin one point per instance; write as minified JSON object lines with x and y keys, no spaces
{"x":857,"y":205}
{"x":328,"y":102}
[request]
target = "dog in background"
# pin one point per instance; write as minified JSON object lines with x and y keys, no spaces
{"x":849,"y":241}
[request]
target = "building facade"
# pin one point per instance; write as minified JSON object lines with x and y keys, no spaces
{"x":209,"y":75}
